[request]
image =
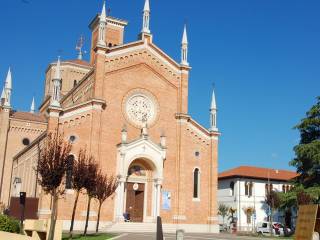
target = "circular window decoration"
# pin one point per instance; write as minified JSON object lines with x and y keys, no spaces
{"x":140,"y":106}
{"x":26,"y":141}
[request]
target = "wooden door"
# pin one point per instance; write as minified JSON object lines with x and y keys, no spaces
{"x":135,"y":202}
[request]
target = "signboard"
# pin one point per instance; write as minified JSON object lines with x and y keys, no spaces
{"x":308,"y":222}
{"x":166,"y":200}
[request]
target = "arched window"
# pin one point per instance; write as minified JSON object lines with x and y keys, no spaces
{"x":232,"y":188}
{"x":248,"y":189}
{"x":196,"y":183}
{"x":69,"y":172}
{"x":136,"y":170}
{"x":74,"y":83}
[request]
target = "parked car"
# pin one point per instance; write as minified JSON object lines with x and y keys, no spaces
{"x":223,"y":227}
{"x":278,"y":229}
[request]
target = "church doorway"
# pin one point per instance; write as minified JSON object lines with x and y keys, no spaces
{"x":135,"y":201}
{"x":139,"y":191}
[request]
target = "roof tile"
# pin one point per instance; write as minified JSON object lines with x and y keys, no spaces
{"x":259,"y":173}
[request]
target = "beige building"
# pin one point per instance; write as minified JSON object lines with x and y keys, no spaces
{"x":129,"y":108}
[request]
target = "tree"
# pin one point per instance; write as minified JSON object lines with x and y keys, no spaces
{"x":105,"y":187}
{"x":307,"y":160}
{"x":90,"y":176}
{"x":273,"y":201}
{"x":78,"y":181}
{"x":223,"y":210}
{"x":51,"y":169}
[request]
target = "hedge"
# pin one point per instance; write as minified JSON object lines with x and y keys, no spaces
{"x":8,"y":224}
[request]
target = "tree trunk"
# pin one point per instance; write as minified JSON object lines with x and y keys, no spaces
{"x":87,"y":219}
{"x":73,"y":214}
{"x":270,"y":222}
{"x":53,"y":217}
{"x":98,"y":219}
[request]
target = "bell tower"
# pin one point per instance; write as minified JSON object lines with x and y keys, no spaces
{"x":113,"y":31}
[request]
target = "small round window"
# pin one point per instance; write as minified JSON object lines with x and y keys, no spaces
{"x":26,"y":141}
{"x":72,"y":138}
{"x":197,"y":153}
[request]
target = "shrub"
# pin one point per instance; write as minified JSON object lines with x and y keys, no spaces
{"x":8,"y":224}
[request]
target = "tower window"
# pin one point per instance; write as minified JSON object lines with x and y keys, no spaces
{"x":75,"y":83}
{"x":196,"y":183}
{"x":26,"y":141}
{"x":197,"y":153}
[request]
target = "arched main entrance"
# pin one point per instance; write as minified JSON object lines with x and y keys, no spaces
{"x":138,"y":191}
{"x":140,"y":174}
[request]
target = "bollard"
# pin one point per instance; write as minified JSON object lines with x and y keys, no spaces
{"x":180,"y":234}
{"x":159,"y":229}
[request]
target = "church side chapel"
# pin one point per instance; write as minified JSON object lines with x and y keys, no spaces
{"x":128,"y":106}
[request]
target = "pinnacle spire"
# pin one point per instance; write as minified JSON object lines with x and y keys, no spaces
{"x":55,"y":98}
{"x":213,"y":101}
{"x":146,"y":6}
{"x":103,"y":14}
{"x":102,"y":27}
{"x":32,"y":108}
{"x":184,"y":37}
{"x":184,"y":47}
{"x":58,"y":70}
{"x":213,"y":113}
{"x":8,"y":83}
{"x":146,"y":18}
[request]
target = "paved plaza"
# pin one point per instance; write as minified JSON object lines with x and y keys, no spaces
{"x":172,"y":236}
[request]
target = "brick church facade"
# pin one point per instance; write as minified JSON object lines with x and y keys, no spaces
{"x":128,"y":107}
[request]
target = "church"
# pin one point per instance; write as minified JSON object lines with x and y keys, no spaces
{"x":128,"y":106}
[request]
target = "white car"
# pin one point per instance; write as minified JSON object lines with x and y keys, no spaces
{"x":263,"y":228}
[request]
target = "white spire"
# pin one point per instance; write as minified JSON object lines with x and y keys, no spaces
{"x":7,"y":89}
{"x":213,"y":113}
{"x":55,"y":98}
{"x":103,"y":14}
{"x":184,"y":37}
{"x":8,"y":84}
{"x":102,"y":26}
{"x":32,"y":108}
{"x":213,"y":101}
{"x":146,"y":6}
{"x":184,"y":48}
{"x":146,"y":17}
{"x":58,"y":70}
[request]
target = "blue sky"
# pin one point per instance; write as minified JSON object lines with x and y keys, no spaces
{"x":263,"y":57}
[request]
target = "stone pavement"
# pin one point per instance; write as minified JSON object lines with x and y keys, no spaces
{"x":198,"y":236}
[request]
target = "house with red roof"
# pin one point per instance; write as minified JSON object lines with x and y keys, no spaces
{"x":245,"y":188}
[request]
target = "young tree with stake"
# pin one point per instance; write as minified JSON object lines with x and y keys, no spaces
{"x":105,"y":187}
{"x":51,"y":169}
{"x":90,"y":176}
{"x":78,"y":181}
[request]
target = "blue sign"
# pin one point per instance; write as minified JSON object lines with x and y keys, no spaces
{"x":166,"y":200}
